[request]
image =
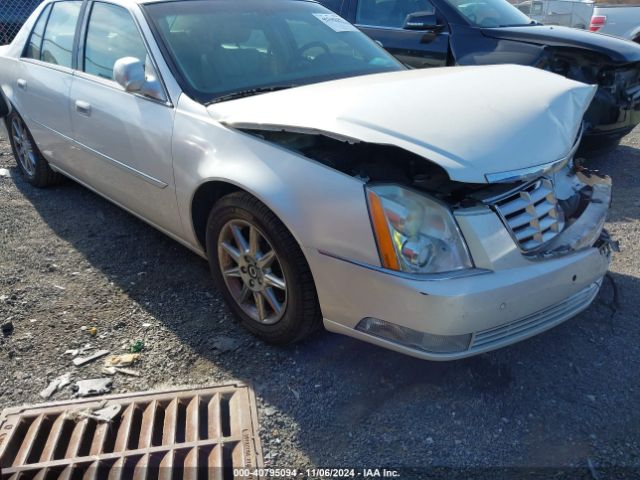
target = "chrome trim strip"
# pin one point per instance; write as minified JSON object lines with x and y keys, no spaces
{"x":50,"y":66}
{"x":153,"y":181}
{"x":531,"y":173}
{"x":424,"y":277}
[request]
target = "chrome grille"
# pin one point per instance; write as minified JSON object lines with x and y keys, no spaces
{"x":532,"y":214}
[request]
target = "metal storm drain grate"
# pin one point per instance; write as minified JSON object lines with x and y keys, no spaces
{"x":175,"y":434}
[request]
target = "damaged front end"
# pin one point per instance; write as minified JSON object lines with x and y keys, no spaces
{"x":557,"y":214}
{"x":615,"y":109}
{"x":549,"y":212}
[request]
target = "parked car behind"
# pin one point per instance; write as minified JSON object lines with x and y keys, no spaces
{"x":436,"y":213}
{"x":567,"y":13}
{"x":434,"y":33}
{"x":619,"y":20}
{"x":13,"y":13}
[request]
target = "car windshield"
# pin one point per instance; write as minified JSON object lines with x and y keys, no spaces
{"x":223,"y":49}
{"x":491,"y":13}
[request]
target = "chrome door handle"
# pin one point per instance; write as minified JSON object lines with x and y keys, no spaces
{"x":83,"y":107}
{"x":22,"y":83}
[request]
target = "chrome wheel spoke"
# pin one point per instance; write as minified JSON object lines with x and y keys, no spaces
{"x":254,"y":241}
{"x":255,"y":279}
{"x":231,"y":251}
{"x":233,"y":272}
{"x":241,"y":242}
{"x":272,"y":280}
{"x":259,"y":299}
{"x":267,"y":259}
{"x":244,"y":294}
{"x":271,"y":299}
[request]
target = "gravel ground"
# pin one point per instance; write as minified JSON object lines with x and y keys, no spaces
{"x":566,"y":398}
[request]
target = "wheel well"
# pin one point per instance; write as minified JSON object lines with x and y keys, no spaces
{"x":5,"y":106}
{"x":203,"y":200}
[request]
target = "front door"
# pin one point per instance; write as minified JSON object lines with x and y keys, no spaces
{"x":125,"y":138}
{"x":383,"y":21}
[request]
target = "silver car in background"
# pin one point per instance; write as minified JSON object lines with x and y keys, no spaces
{"x":437,"y":213}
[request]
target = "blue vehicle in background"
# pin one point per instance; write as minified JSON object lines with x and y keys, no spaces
{"x":13,"y":13}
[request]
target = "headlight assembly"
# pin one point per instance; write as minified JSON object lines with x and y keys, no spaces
{"x":415,"y":233}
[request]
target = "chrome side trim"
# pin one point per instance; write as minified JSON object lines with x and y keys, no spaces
{"x":153,"y":181}
{"x":426,"y":277}
{"x":50,"y":66}
{"x":147,"y":178}
{"x":531,"y":173}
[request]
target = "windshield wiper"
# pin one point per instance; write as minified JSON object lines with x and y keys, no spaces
{"x":249,"y":92}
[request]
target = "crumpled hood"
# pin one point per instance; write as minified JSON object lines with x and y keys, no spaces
{"x":472,"y":121}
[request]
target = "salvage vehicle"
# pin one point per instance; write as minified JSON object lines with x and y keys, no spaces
{"x":435,"y":213}
{"x":434,"y":33}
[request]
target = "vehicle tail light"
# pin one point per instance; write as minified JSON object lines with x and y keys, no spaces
{"x":597,"y":22}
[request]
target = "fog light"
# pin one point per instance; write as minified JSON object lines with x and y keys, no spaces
{"x":414,"y":339}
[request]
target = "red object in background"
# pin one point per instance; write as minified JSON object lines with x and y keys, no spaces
{"x":597,"y":21}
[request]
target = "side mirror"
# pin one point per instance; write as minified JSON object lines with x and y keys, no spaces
{"x":130,"y":73}
{"x":422,"y":21}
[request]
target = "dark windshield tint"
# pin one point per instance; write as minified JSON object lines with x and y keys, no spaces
{"x":220,"y":47}
{"x":490,"y":13}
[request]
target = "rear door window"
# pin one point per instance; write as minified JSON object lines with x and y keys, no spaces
{"x":57,"y":44}
{"x":34,"y":46}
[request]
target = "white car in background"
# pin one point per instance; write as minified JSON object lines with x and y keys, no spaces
{"x":437,"y":213}
{"x":619,"y":20}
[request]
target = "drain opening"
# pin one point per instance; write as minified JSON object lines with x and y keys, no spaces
{"x":206,"y":432}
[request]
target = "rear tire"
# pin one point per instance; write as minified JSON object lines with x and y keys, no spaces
{"x":30,"y":161}
{"x":261,"y":271}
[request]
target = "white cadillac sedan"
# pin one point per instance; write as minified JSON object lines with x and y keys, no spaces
{"x":437,"y":213}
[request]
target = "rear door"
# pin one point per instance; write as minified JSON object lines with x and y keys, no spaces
{"x":43,"y":79}
{"x":382,"y":20}
{"x":124,"y":138}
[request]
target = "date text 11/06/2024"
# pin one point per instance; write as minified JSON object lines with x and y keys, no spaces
{"x":315,"y":473}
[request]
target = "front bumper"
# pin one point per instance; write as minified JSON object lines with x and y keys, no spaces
{"x":507,"y":298}
{"x":497,"y":308}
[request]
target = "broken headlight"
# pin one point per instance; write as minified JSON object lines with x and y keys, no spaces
{"x":415,"y":233}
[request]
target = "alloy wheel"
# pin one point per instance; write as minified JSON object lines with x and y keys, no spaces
{"x":24,"y":149}
{"x":252,"y":271}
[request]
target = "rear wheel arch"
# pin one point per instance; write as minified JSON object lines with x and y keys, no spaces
{"x":5,"y":105}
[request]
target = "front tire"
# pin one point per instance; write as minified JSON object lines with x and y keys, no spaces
{"x":261,"y":271}
{"x":30,"y":161}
